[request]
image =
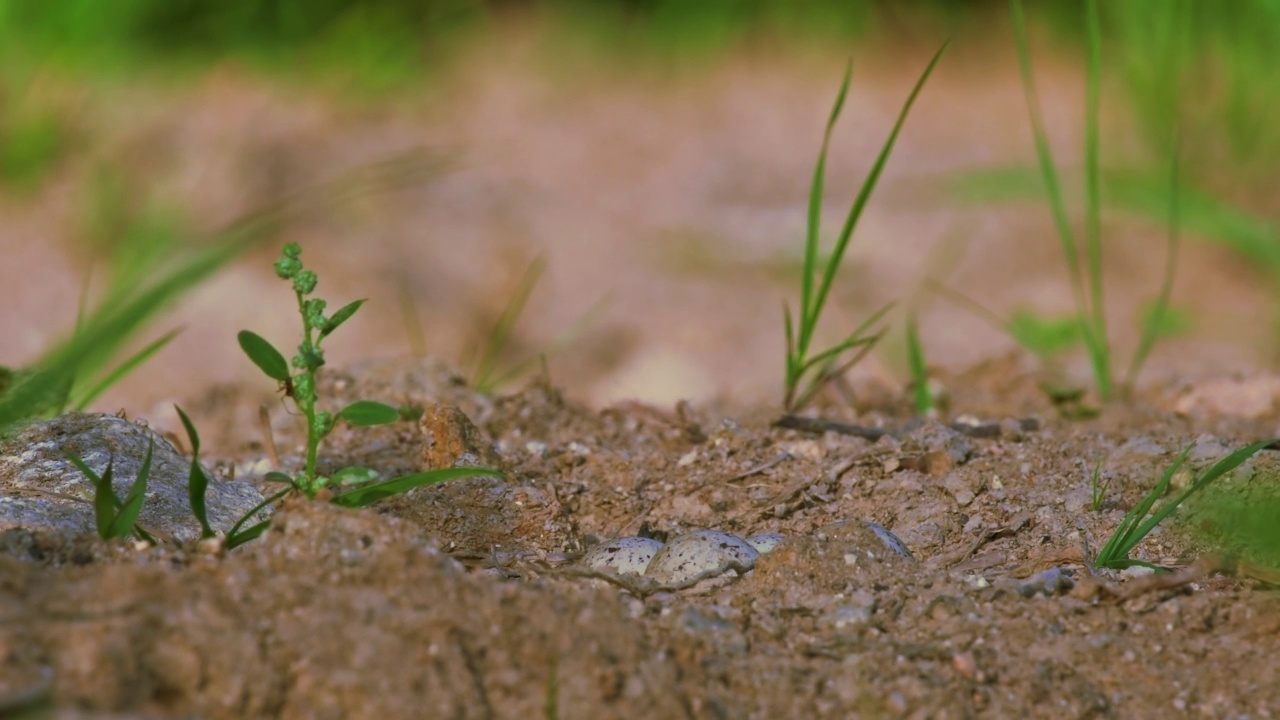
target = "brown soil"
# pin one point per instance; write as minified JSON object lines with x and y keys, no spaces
{"x":682,"y":202}
{"x":454,"y":601}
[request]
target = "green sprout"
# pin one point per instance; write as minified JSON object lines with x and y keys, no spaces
{"x":1136,"y":525}
{"x":807,"y":372}
{"x":113,"y":517}
{"x":922,"y":394}
{"x":301,"y":387}
{"x":1098,"y":488}
{"x":198,"y":483}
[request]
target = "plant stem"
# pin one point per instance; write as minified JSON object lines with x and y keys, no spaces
{"x":306,"y":401}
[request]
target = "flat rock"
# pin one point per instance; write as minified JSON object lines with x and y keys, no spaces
{"x":41,"y":489}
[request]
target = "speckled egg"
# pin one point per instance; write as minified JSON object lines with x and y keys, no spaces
{"x":708,"y":552}
{"x":625,"y":556}
{"x":765,"y":542}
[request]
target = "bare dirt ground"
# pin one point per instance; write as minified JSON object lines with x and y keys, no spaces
{"x":683,"y":204}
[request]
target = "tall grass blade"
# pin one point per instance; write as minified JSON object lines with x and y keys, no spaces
{"x":123,"y":369}
{"x":1151,"y":328}
{"x":921,"y":394}
{"x":236,"y":536}
{"x":1136,"y":525}
{"x":105,"y":501}
{"x":864,"y":194}
{"x":1053,"y":190}
{"x":857,"y":338}
{"x":1099,"y":349}
{"x":812,"y":238}
{"x":125,"y":521}
{"x":557,"y":344}
{"x":197,"y":480}
{"x":370,"y":494}
{"x":500,"y":335}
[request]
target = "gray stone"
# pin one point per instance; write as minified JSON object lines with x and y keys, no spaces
{"x":41,"y":489}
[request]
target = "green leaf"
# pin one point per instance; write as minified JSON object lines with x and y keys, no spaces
{"x":368,"y":412}
{"x":264,"y":355}
{"x":104,"y":497}
{"x":344,"y":314}
{"x":919,"y":370}
{"x":355,"y":476}
{"x":237,"y":537}
{"x":197,"y":481}
{"x":1133,"y":528}
{"x":1043,"y":336}
{"x":365,"y":496}
{"x":279,"y":477}
{"x":253,"y":532}
{"x":122,"y":526}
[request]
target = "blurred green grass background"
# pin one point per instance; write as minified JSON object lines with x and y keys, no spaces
{"x":1231,"y":114}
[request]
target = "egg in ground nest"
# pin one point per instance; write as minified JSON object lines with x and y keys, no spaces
{"x":625,"y":556}
{"x":765,"y":543}
{"x":699,"y":553}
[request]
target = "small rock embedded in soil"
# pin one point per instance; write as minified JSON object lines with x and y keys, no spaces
{"x":450,"y":439}
{"x":886,"y":538}
{"x":41,"y":489}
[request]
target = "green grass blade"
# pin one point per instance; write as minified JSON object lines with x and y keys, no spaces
{"x":1136,"y":525}
{"x":856,"y":338}
{"x":124,"y":523}
{"x":551,"y":349}
{"x":1125,"y":538}
{"x":124,"y":368}
{"x":1151,"y":328}
{"x":791,"y":366}
{"x":368,"y":495}
{"x":253,"y":532}
{"x":817,"y":189}
{"x":236,"y":537}
{"x":1100,"y":351}
{"x":864,"y":194}
{"x":1217,"y":470}
{"x":496,"y":342}
{"x":1049,"y":176}
{"x":197,"y":480}
{"x":827,"y":373}
{"x":105,"y":501}
{"x":922,"y":395}
{"x":104,"y":332}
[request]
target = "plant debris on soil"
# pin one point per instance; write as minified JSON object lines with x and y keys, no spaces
{"x":466,"y":599}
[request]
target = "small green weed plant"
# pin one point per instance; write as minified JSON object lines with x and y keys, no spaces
{"x":1098,"y":486}
{"x":355,"y":486}
{"x":1136,"y":524}
{"x":921,"y":393}
{"x":807,"y":370}
{"x":113,"y":517}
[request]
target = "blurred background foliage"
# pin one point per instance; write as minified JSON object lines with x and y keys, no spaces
{"x":1222,"y":98}
{"x":1231,"y":119}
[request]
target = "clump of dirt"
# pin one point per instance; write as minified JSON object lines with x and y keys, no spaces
{"x":458,"y":600}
